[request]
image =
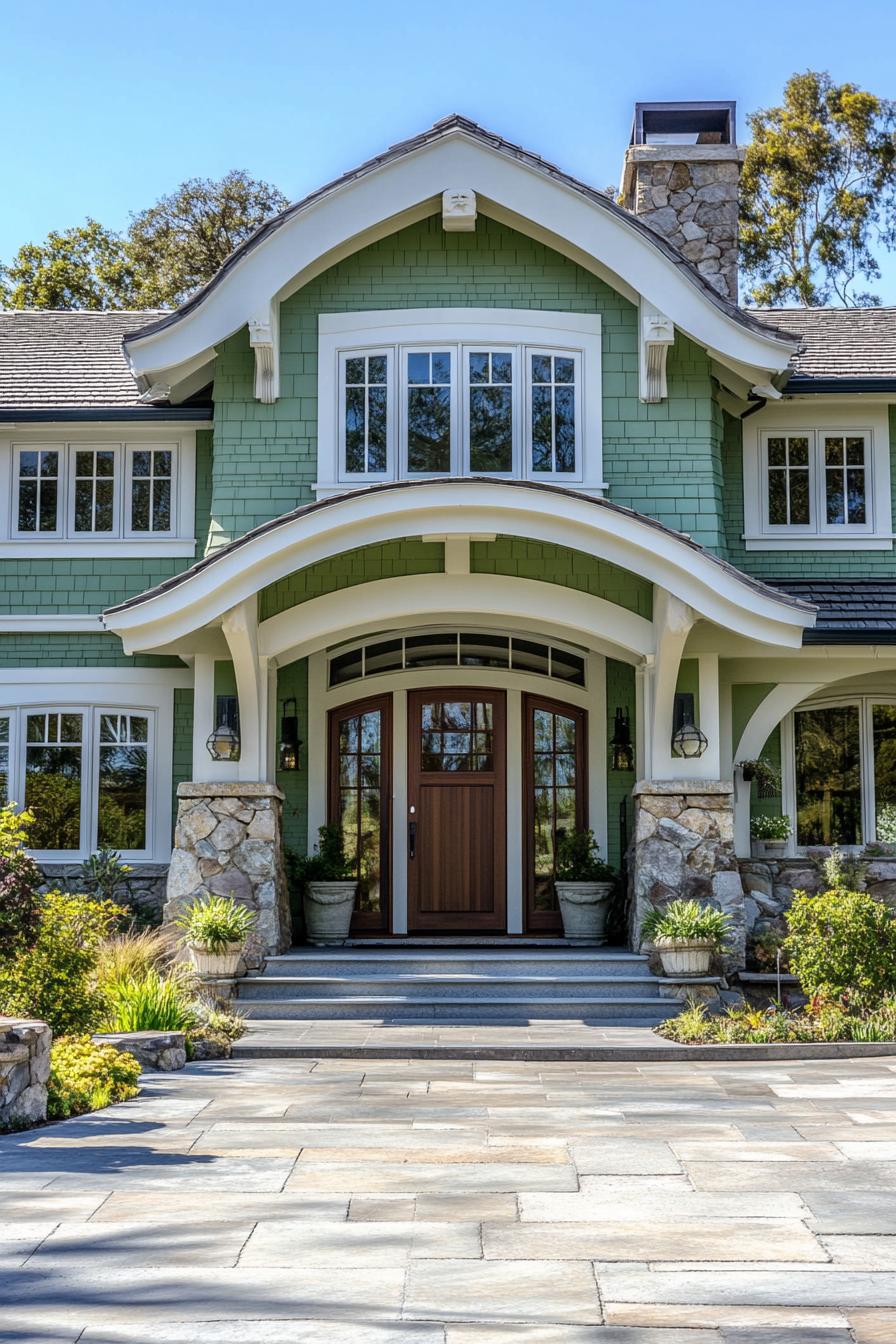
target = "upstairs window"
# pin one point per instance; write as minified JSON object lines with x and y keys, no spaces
{"x":456,"y":392}
{"x":817,"y":483}
{"x":37,"y":510}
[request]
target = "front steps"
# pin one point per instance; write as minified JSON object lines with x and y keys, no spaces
{"x":457,"y":981}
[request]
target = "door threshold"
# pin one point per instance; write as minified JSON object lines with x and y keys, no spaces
{"x":468,"y":940}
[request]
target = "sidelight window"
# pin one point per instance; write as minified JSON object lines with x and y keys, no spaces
{"x":359,"y":798}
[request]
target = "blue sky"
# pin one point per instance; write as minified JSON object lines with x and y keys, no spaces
{"x":112,"y":105}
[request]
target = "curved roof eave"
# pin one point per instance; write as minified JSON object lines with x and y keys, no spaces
{"x":264,"y":264}
{"x":714,"y":588}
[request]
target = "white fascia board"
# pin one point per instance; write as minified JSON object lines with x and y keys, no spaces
{"x":52,"y":622}
{"x":461,"y":507}
{"x":352,"y":211}
{"x":120,"y":684}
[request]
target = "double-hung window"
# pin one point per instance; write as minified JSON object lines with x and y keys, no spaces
{"x":818,"y":487}
{"x":457,"y":392}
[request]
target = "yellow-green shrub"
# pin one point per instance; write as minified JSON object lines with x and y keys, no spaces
{"x":85,"y":1077}
{"x":842,"y":945}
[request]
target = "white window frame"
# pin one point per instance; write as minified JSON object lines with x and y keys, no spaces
{"x":343,"y":357}
{"x":557,"y":477}
{"x":865,"y":705}
{"x":92,"y":534}
{"x":429,"y":348}
{"x":463,"y":330}
{"x":467,"y":385}
{"x":787,"y":419}
{"x":148,"y":692}
{"x":123,"y":541}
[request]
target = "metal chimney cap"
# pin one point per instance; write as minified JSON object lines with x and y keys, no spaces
{"x":705,"y":123}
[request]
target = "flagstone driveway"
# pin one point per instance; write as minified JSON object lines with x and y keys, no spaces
{"x":429,"y":1202}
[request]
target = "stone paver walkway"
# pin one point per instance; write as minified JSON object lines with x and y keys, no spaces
{"x":453,"y":1202}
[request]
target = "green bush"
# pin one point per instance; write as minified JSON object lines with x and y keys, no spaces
{"x":842,"y":945}
{"x":214,"y":922}
{"x":756,"y":1026}
{"x":686,"y":920}
{"x":328,"y":863}
{"x":578,"y":858}
{"x":85,"y":1077}
{"x":55,"y":977}
{"x":219,"y":1019}
{"x":152,"y":1002}
{"x":20,"y":883}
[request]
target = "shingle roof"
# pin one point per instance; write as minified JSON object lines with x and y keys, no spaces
{"x":850,"y":611}
{"x":852,"y":343}
{"x":66,"y":359}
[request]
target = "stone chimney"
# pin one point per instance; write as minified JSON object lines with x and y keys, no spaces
{"x":681,"y":177}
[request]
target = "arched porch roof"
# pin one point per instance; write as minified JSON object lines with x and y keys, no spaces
{"x":449,"y":508}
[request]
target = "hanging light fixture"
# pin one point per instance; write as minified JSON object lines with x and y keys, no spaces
{"x":623,"y":756}
{"x":224,"y":743}
{"x":688,"y":740}
{"x":290,"y":742}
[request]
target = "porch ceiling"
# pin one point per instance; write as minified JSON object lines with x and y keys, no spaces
{"x":713,"y":589}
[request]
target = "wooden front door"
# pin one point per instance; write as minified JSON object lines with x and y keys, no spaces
{"x":457,"y":844}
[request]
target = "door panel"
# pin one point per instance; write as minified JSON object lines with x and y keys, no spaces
{"x":360,"y":772}
{"x":457,"y":850}
{"x":555,"y":798}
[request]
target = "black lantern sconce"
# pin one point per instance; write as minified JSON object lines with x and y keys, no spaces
{"x":687,"y":739}
{"x":224,"y":743}
{"x":290,"y":742}
{"x":623,"y":755}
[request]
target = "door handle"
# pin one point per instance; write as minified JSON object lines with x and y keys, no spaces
{"x":412,"y":839}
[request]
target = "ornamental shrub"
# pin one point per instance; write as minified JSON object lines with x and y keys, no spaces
{"x":842,"y":945}
{"x":20,"y":883}
{"x":578,"y":858}
{"x":151,"y":1002}
{"x":55,"y":977}
{"x":688,"y":920}
{"x":214,"y":922}
{"x":85,"y":1077}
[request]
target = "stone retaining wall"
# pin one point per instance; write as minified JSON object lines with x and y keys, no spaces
{"x":24,"y":1071}
{"x":228,"y":842}
{"x":770,"y":885}
{"x":143,"y":889}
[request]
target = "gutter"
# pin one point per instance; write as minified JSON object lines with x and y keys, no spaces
{"x":141,"y":415}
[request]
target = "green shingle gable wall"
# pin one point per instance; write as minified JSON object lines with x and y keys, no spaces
{"x":265,"y":459}
{"x":74,"y":650}
{"x":390,"y":560}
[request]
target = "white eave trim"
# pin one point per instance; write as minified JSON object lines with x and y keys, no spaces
{"x":53,"y":623}
{"x":461,"y":507}
{"x":345,"y":218}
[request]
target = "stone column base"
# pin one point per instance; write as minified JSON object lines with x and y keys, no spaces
{"x":683,"y":847}
{"x":228,"y":842}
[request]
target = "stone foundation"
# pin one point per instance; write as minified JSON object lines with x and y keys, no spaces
{"x":683,"y":847}
{"x":143,"y":889}
{"x":24,"y":1071}
{"x":770,"y":885}
{"x":228,"y":842}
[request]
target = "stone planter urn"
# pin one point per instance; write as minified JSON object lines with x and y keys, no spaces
{"x":684,"y":957}
{"x":216,"y":965}
{"x":328,"y":911}
{"x":769,"y":849}
{"x":584,"y":907}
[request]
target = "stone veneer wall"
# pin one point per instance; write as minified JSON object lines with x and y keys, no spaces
{"x":770,"y":884}
{"x":143,"y":889}
{"x":24,"y":1071}
{"x":683,"y":847}
{"x":227,"y":842}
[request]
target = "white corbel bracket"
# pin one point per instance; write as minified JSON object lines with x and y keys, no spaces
{"x":157,"y":392}
{"x":264,"y":340}
{"x":459,"y":210}
{"x":657,"y":335}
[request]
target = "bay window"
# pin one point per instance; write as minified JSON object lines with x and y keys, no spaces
{"x":467,"y":392}
{"x":842,"y":786}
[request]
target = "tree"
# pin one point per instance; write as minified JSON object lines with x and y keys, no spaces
{"x":83,"y":267}
{"x":180,"y":242}
{"x":817,"y":193}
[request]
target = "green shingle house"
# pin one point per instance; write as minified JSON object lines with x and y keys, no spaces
{"x":463,"y":506}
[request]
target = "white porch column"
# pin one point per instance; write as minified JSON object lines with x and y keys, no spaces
{"x":709,"y":765}
{"x":204,"y":768}
{"x":240,"y":626}
{"x":672,"y":622}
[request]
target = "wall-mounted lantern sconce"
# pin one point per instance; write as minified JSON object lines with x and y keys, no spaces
{"x":687,"y":739}
{"x":290,"y":742}
{"x":623,"y":755}
{"x":224,"y":743}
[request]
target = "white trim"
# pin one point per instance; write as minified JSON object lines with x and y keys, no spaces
{"x":794,"y":417}
{"x":462,"y":507}
{"x":57,"y":622}
{"x":395,"y":333}
{"x":382,"y":198}
{"x":20,"y":548}
{"x":591,"y":698}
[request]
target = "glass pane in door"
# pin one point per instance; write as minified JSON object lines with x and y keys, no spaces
{"x":360,"y":802}
{"x":556,"y":784}
{"x":457,"y":736}
{"x":828,"y":776}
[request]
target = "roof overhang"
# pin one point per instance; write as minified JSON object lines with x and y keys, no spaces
{"x":714,"y":590}
{"x":405,"y":185}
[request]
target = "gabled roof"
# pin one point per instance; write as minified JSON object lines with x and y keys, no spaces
{"x":839,"y":346}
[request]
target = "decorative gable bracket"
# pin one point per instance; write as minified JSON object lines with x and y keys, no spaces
{"x":459,"y":210}
{"x":264,"y":338}
{"x":656,"y":336}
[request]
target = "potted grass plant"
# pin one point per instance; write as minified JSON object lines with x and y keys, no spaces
{"x":769,"y":835}
{"x":330,"y":888}
{"x":584,"y":886}
{"x":216,"y":929}
{"x":687,"y":935}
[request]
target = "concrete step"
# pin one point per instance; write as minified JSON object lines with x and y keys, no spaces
{"x":479,"y":1008}
{"x":326,"y":987}
{"x":362,"y":963}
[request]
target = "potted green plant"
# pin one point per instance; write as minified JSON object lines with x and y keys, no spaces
{"x":766,"y":775}
{"x":330,"y":887}
{"x":216,"y":929}
{"x":584,"y":885}
{"x":686,"y":934}
{"x":770,"y":835}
